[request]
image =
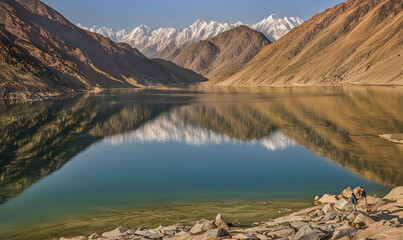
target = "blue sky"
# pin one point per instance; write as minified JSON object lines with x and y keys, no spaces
{"x":128,"y":14}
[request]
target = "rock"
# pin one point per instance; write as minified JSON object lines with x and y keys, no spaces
{"x":220,"y":223}
{"x":325,"y":228}
{"x":395,"y":222}
{"x":351,"y":216}
{"x":327,"y":198}
{"x":75,"y":238}
{"x":281,"y":226}
{"x":115,"y":233}
{"x":178,"y":236}
{"x":362,"y":219}
{"x":288,"y":218}
{"x":284,"y":233}
{"x":347,"y":193}
{"x":169,"y":232}
{"x":151,"y":234}
{"x":245,"y":236}
{"x":298,"y":224}
{"x":341,"y":204}
{"x":94,"y":236}
{"x":316,"y":198}
{"x":343,"y":232}
{"x":328,"y":208}
{"x":255,"y":224}
{"x":214,"y":233}
{"x":329,"y":216}
{"x":201,"y":226}
{"x":373,"y":201}
{"x":395,"y":194}
{"x":262,"y":236}
{"x":308,"y":233}
{"x":154,"y":235}
{"x":142,"y":232}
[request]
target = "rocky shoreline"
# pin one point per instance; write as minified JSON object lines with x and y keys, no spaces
{"x":332,"y":218}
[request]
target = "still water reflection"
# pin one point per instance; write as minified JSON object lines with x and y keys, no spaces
{"x":142,"y":150}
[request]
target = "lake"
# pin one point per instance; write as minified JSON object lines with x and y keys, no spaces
{"x":145,"y":157}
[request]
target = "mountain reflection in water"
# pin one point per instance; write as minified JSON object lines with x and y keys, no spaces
{"x":170,"y":127}
{"x":341,"y":124}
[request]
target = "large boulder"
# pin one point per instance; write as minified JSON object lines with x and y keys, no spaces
{"x":115,"y":233}
{"x":201,"y":226}
{"x":343,"y":232}
{"x":327,"y":198}
{"x":215,"y":233}
{"x":220,"y":223}
{"x":341,"y":204}
{"x":308,"y":233}
{"x":347,"y":192}
{"x":395,"y":194}
{"x":362,"y":219}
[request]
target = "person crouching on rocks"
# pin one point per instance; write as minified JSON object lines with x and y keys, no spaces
{"x":363,"y":194}
{"x":354,"y":201}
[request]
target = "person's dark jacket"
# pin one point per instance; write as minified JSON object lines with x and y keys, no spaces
{"x":353,"y":199}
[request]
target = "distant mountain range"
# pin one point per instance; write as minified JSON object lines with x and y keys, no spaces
{"x":163,"y":42}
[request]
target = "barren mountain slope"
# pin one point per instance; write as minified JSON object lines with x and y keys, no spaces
{"x":221,"y":55}
{"x":356,"y":42}
{"x":61,"y":57}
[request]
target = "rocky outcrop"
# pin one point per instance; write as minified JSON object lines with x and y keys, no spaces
{"x":319,"y":222}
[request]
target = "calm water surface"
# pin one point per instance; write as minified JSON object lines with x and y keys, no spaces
{"x":161,"y":156}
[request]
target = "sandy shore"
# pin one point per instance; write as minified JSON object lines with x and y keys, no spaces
{"x":332,"y":218}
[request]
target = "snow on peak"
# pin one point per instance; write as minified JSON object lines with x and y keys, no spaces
{"x":150,"y":41}
{"x":275,"y":27}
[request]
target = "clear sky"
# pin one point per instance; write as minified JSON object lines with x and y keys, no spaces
{"x":128,"y":14}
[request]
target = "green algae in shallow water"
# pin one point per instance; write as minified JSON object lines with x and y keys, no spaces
{"x":241,"y":212}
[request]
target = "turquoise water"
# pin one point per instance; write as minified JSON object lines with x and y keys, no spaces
{"x":151,"y":154}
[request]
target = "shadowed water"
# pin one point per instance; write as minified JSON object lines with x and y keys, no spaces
{"x":160,"y":156}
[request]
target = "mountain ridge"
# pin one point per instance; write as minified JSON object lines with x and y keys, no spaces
{"x":356,"y":42}
{"x":43,"y":54}
{"x":224,"y":53}
{"x":163,"y":42}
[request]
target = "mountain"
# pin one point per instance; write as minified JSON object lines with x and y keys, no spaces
{"x":275,"y":27}
{"x":168,"y":42}
{"x":356,"y":42}
{"x":42,"y":54}
{"x":224,"y":53}
{"x":106,"y":32}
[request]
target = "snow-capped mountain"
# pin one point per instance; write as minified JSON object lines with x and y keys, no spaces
{"x":166,"y":40}
{"x":106,"y":32}
{"x":275,"y":27}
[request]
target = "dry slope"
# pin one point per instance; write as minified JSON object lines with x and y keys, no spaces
{"x":356,"y":42}
{"x":224,"y":53}
{"x":42,"y":53}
